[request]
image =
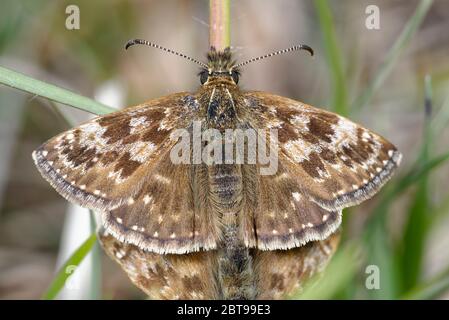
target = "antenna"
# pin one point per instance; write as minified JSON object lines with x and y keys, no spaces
{"x":294,"y":48}
{"x":154,"y":45}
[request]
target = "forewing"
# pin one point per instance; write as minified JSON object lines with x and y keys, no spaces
{"x":164,"y":217}
{"x":119,"y":164}
{"x":337,"y":163}
{"x":325,"y":163}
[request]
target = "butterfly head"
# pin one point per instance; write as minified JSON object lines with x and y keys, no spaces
{"x":220,"y":67}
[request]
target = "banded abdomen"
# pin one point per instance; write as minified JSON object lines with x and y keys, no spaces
{"x":234,"y":274}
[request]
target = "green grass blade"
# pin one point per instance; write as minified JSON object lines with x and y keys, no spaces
{"x":392,"y":56}
{"x":413,"y":243}
{"x":62,"y":275}
{"x":95,"y":286}
{"x":380,"y":253}
{"x":52,"y":92}
{"x":431,"y":289}
{"x":379,"y":250}
{"x":333,"y":56}
{"x":407,"y":180}
{"x":411,"y":249}
{"x":417,"y":172}
{"x":391,"y":192}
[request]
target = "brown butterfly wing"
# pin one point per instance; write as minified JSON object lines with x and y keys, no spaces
{"x":164,"y":276}
{"x":119,"y":164}
{"x":325,"y":163}
{"x":277,"y":273}
{"x":165,"y":216}
{"x":283,"y":273}
{"x":282,"y":216}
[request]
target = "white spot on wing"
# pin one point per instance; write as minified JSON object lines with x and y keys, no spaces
{"x":296,"y":195}
{"x":146,"y":199}
{"x":134,"y":122}
{"x":162,"y":179}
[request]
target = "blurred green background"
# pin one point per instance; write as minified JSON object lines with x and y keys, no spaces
{"x":393,"y":80}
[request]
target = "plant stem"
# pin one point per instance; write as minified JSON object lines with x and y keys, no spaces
{"x":219,"y":24}
{"x":52,"y":92}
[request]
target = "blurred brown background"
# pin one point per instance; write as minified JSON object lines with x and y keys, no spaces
{"x":92,"y":61}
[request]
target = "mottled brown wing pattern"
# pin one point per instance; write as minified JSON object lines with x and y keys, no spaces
{"x":292,"y":268}
{"x":283,"y":217}
{"x":326,"y":163}
{"x":119,"y":163}
{"x":191,"y":276}
{"x":165,"y":216}
{"x":164,"y":276}
{"x":99,"y":163}
{"x":339,"y":162}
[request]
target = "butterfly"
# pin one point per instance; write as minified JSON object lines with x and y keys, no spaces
{"x":223,"y":222}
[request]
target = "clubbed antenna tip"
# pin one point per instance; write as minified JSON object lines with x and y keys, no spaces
{"x":154,"y":45}
{"x":272,"y":54}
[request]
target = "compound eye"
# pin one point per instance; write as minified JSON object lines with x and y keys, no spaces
{"x":235,"y":76}
{"x":204,"y":75}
